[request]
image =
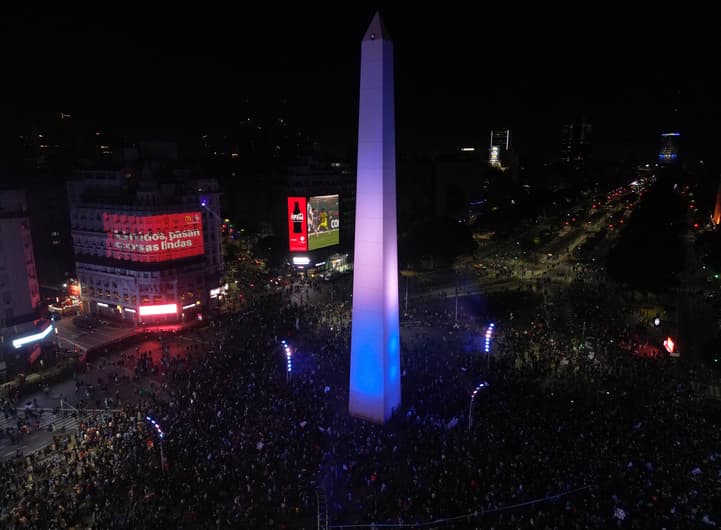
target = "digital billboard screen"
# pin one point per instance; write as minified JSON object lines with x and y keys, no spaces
{"x":297,"y":227}
{"x":153,"y":238}
{"x":323,"y":221}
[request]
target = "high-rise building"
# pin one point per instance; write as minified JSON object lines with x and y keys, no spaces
{"x":19,"y":294}
{"x":669,"y":147}
{"x":499,"y":148}
{"x":375,"y":371}
{"x":22,"y":332}
{"x":147,"y":248}
{"x":576,"y":142}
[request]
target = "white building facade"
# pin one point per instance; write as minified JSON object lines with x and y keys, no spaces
{"x":146,"y":250}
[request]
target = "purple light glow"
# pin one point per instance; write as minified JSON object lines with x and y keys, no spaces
{"x":375,"y":389}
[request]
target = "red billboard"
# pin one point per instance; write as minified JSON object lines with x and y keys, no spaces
{"x":153,"y":238}
{"x":297,"y":225}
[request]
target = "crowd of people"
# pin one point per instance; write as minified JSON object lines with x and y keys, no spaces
{"x":564,"y":435}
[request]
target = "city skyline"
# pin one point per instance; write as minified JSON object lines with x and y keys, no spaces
{"x":296,"y":267}
{"x":466,"y":71}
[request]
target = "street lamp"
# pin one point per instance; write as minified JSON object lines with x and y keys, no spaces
{"x":288,"y":360}
{"x":473,"y":399}
{"x":487,"y":344}
{"x":161,"y":435}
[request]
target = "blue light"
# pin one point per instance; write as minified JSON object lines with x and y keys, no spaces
{"x":18,"y":343}
{"x":481,"y":385}
{"x":489,"y":334}
{"x":288,"y":357}
{"x":367,"y":369}
{"x":156,"y":426}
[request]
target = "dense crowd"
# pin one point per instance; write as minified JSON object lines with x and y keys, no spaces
{"x":566,"y":434}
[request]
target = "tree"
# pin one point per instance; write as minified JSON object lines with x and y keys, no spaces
{"x":650,"y":252}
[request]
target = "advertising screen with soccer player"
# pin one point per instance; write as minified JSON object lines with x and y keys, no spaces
{"x":323,"y":221}
{"x":153,"y":238}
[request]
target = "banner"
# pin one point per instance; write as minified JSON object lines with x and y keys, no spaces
{"x":153,"y":238}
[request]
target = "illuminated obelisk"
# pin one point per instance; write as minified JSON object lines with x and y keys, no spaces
{"x":375,"y":385}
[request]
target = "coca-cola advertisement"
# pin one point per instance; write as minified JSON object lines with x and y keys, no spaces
{"x":297,"y":225}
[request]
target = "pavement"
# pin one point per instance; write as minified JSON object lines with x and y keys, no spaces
{"x":70,"y":336}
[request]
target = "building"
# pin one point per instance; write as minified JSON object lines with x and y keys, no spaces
{"x":576,"y":142}
{"x":499,"y":148}
{"x":318,"y":215}
{"x":147,"y":246}
{"x":22,"y":331}
{"x":669,"y":147}
{"x":19,"y":293}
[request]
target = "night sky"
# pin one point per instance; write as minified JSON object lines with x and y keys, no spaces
{"x":459,"y":72}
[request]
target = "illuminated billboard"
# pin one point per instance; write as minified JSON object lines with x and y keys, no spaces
{"x":297,"y":226}
{"x":153,"y":238}
{"x":164,"y":309}
{"x":323,"y":221}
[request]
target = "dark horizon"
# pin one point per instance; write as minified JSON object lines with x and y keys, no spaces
{"x":459,"y":73}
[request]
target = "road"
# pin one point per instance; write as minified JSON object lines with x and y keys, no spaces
{"x":69,"y":336}
{"x":102,"y":371}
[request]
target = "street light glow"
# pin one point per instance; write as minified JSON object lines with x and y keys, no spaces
{"x":156,"y":426}
{"x":288,"y":357}
{"x":489,"y":334}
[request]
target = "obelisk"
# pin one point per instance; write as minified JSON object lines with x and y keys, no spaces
{"x":375,"y":385}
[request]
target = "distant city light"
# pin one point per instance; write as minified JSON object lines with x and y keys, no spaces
{"x":671,"y":134}
{"x":657,"y":321}
{"x":494,"y":156}
{"x":468,"y":149}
